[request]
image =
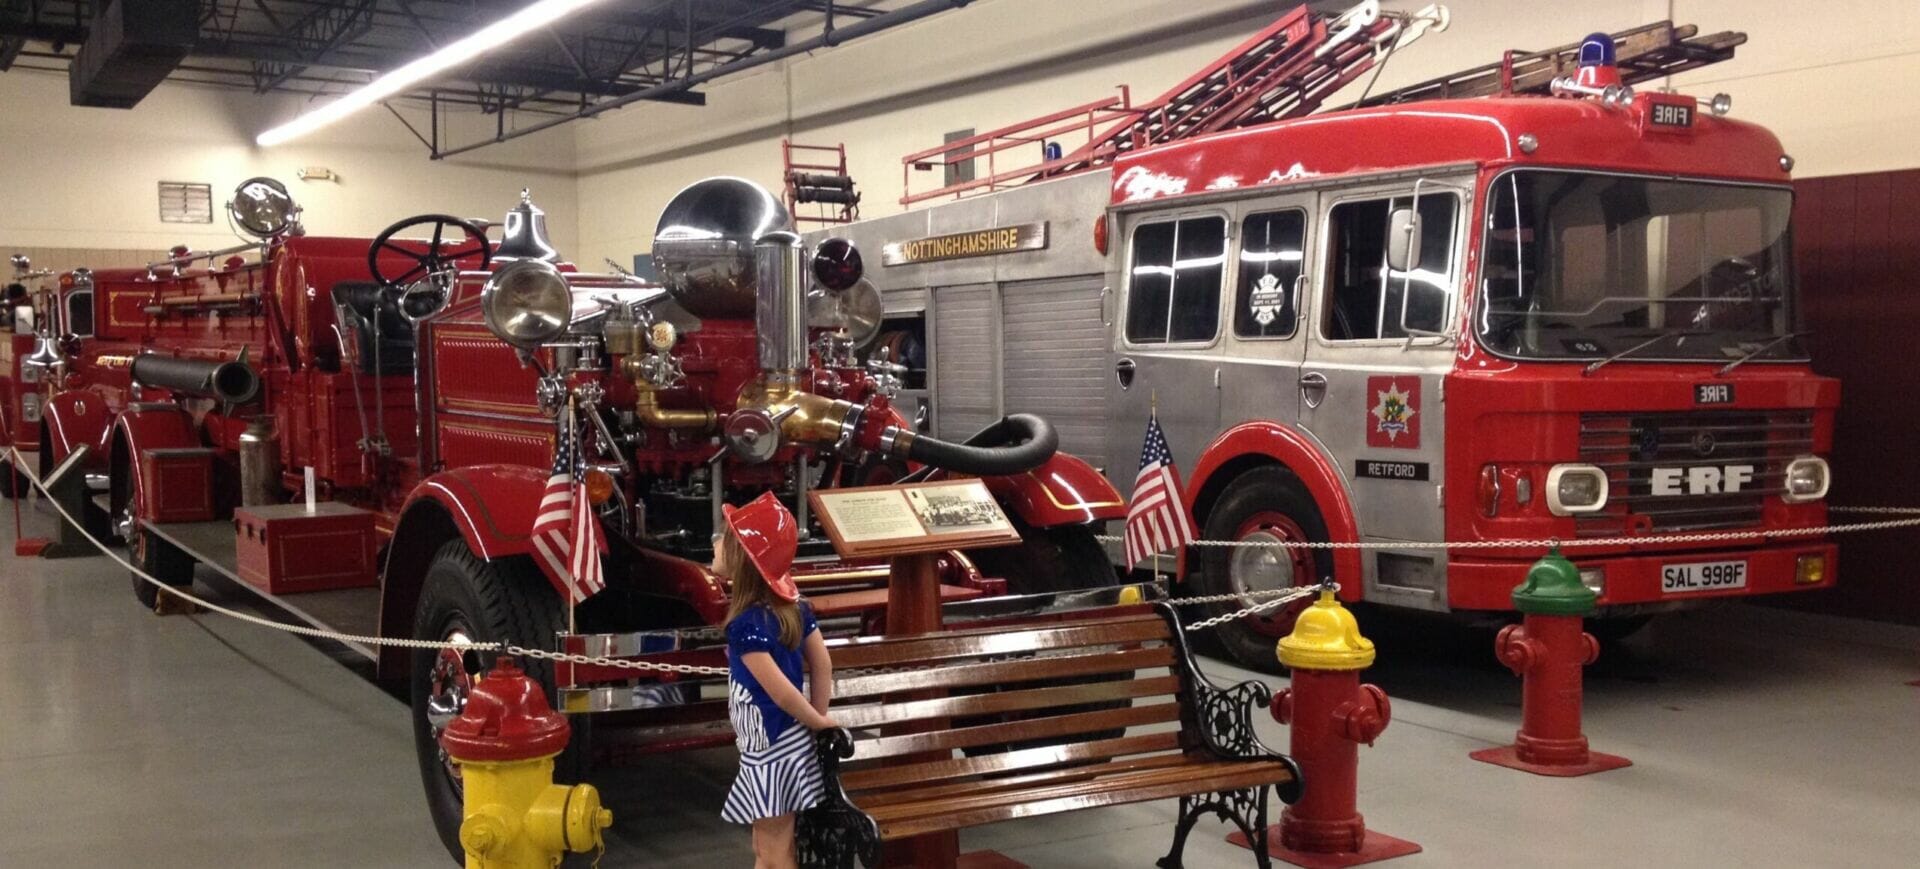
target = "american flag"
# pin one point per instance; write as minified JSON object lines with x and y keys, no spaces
{"x":565,"y":531}
{"x":1157,"y":519}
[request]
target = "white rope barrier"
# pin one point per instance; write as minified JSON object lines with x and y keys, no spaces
{"x":1277,"y":597}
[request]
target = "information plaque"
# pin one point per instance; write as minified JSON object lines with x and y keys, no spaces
{"x":910,"y":518}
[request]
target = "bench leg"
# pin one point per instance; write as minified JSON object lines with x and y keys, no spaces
{"x":1245,"y":808}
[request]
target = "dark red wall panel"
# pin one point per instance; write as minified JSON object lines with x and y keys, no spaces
{"x":1857,"y":242}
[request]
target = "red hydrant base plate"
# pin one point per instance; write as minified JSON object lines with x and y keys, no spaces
{"x":31,"y":546}
{"x":1508,"y":756}
{"x":1375,"y":848}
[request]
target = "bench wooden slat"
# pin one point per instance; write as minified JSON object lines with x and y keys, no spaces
{"x":868,"y":801}
{"x":876,"y":778}
{"x":931,"y":648}
{"x":1001,"y":672}
{"x":1052,"y":697}
{"x":1050,"y":727}
{"x":1057,"y":620}
{"x":913,"y":819}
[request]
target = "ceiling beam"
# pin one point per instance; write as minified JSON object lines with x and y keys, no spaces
{"x":364,"y":63}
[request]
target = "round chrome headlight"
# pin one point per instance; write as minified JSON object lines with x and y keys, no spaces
{"x":527,"y":303}
{"x":263,"y":207}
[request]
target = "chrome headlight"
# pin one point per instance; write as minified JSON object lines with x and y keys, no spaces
{"x":1576,"y":489}
{"x":1807,"y":480}
{"x":527,"y":303}
{"x":263,"y":207}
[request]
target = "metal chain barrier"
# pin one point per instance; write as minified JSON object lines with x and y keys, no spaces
{"x":1279,"y":597}
{"x":1911,"y":519}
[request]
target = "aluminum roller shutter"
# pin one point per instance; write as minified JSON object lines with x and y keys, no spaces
{"x":967,"y":393}
{"x":1055,"y":360}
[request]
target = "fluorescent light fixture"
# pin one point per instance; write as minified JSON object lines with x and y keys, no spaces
{"x":465,"y":50}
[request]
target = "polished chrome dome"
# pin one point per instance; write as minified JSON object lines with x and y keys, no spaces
{"x":703,"y":249}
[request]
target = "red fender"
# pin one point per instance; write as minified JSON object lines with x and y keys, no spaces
{"x":490,"y":507}
{"x":1265,"y":440}
{"x":137,"y":429}
{"x":76,"y":417}
{"x":1063,"y":491}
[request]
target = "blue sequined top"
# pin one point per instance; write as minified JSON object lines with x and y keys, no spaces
{"x":758,"y":630}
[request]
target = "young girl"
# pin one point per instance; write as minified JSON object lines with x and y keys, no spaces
{"x":771,"y":634}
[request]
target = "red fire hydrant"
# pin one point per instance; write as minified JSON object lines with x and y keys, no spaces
{"x":1547,"y":650}
{"x":1330,"y":713}
{"x":505,"y":741}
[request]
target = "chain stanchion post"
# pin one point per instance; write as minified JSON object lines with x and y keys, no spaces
{"x":1330,"y":714}
{"x":1548,"y":651}
{"x":23,"y":546}
{"x":514,"y":816}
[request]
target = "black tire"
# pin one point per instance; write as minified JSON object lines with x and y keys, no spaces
{"x":505,"y":599}
{"x":1048,"y":560}
{"x":1613,"y":629}
{"x":161,"y":560}
{"x":1268,"y":491}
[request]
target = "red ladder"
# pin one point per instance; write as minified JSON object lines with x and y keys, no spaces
{"x":1286,"y":70}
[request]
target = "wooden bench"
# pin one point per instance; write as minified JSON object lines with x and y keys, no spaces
{"x":1101,"y":710}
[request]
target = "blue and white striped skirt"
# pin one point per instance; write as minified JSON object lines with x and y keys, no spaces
{"x":784,"y":778}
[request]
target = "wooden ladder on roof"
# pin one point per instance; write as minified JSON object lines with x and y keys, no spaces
{"x":1642,"y":53}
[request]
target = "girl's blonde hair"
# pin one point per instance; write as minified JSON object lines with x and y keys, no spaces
{"x":749,"y":588}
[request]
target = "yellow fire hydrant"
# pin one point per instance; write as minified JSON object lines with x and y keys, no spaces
{"x":505,"y":741}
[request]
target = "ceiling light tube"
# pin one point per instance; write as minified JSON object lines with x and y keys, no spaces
{"x":398,"y":81}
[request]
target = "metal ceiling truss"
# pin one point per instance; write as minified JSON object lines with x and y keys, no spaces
{"x":603,"y":56}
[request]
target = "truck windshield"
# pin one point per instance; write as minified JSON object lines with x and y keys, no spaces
{"x":1585,"y":265}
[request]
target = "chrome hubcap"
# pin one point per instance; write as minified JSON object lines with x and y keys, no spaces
{"x":448,"y":684}
{"x":1260,"y":568}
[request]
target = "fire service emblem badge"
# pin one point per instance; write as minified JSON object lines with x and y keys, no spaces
{"x":1396,"y":406}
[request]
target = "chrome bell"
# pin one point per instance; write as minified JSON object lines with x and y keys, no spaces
{"x":526,"y":234}
{"x":46,"y":357}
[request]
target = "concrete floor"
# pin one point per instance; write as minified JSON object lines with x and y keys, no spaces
{"x":1759,"y":737}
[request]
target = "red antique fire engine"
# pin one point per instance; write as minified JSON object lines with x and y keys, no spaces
{"x":1524,"y":302}
{"x":416,"y":387}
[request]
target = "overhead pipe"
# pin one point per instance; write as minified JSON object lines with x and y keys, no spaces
{"x":832,"y":37}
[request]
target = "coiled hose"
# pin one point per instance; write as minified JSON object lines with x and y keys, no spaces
{"x":1016,"y":443}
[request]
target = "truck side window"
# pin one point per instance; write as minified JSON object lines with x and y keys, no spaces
{"x":80,"y":313}
{"x":1271,"y":260}
{"x":1364,"y":297}
{"x":1173,"y":285}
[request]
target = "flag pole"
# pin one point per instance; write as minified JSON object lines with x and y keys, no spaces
{"x":568,"y":422}
{"x":1153,"y":415}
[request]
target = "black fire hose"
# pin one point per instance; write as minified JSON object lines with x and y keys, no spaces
{"x":231,"y":382}
{"x":1018,"y":442}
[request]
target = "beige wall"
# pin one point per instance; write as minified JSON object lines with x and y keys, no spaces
{"x":1829,"y":78}
{"x":82,"y":178}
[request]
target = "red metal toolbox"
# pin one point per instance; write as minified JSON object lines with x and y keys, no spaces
{"x":283,"y":549}
{"x":176,"y":485}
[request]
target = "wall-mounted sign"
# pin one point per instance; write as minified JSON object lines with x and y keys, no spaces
{"x":980,"y":242}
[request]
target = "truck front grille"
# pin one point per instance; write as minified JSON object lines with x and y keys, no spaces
{"x":1633,"y":447}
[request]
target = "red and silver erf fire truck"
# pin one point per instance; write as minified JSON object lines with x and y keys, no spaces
{"x":1561,"y":310}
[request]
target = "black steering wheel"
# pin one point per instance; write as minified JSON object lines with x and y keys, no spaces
{"x":441,"y":254}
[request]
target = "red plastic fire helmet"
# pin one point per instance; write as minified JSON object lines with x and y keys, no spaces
{"x":768,"y":534}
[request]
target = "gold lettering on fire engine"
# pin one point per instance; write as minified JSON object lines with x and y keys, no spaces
{"x":980,"y":242}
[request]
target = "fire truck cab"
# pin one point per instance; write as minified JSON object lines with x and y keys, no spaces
{"x":1468,"y":320}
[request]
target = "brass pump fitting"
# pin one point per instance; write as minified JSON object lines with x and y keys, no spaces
{"x":805,"y":417}
{"x":647,"y":409}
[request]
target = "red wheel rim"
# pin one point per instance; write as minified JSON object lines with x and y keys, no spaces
{"x":1267,"y":568}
